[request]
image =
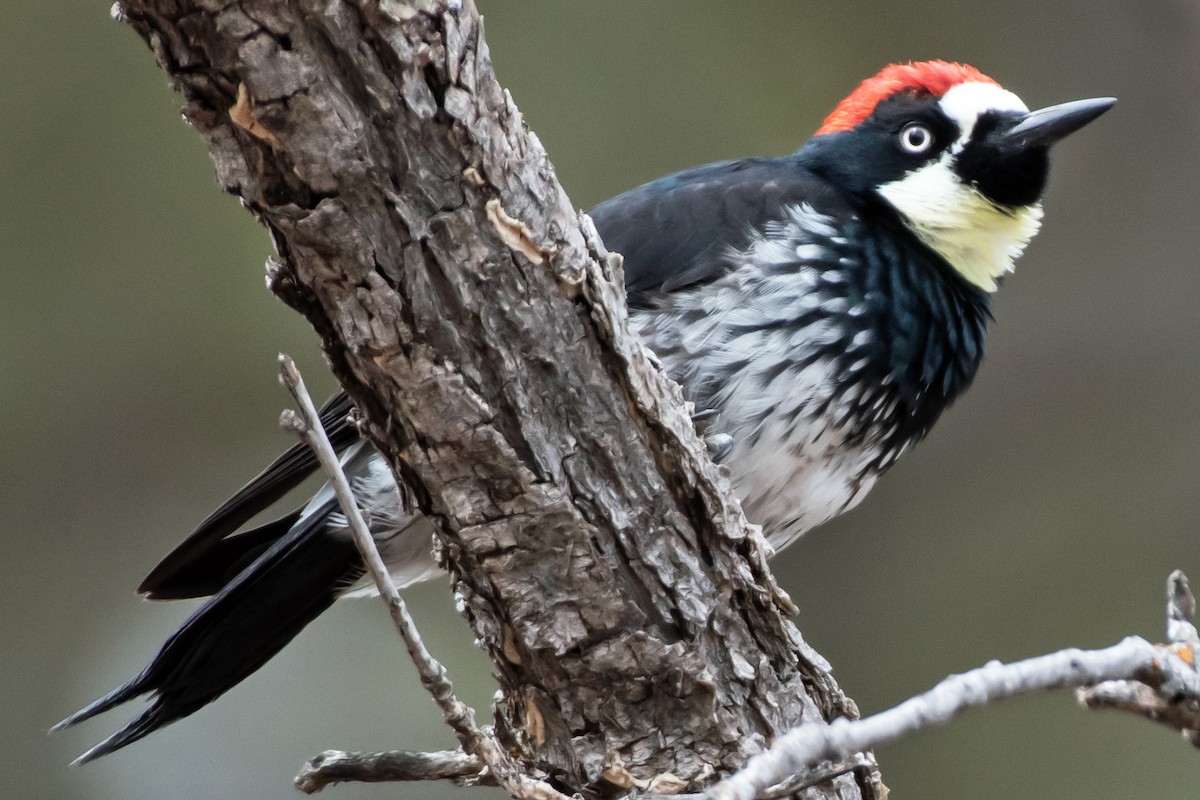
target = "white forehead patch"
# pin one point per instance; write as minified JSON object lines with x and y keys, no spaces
{"x":966,"y":101}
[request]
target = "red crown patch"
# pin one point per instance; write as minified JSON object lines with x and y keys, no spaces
{"x":933,"y":78}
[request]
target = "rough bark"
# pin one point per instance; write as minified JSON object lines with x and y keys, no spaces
{"x":475,"y":319}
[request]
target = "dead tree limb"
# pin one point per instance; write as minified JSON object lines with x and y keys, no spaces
{"x":475,"y":319}
{"x":334,"y":766}
{"x":1158,"y":682}
{"x":306,"y":422}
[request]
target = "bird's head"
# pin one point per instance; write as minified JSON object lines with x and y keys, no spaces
{"x":962,"y":160}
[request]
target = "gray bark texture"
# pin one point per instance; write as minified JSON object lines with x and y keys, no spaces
{"x":477,"y":322}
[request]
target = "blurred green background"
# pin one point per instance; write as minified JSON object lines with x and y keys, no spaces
{"x":137,"y":362}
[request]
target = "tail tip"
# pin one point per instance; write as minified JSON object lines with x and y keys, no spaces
{"x":90,"y":755}
{"x":110,"y":745}
{"x":63,"y":724}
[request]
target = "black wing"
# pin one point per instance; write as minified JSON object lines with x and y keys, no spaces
{"x":203,"y":562}
{"x":679,"y":230}
{"x":674,"y":232}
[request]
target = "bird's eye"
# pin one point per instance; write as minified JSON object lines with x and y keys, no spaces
{"x":915,"y":138}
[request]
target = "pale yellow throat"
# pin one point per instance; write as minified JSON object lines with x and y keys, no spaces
{"x":978,"y":238}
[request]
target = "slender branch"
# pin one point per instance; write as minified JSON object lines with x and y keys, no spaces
{"x":1159,"y":682}
{"x":859,"y":762}
{"x":863,"y":763}
{"x":1141,"y":700}
{"x":335,"y":766}
{"x":458,"y":715}
{"x":1181,"y":608}
{"x":1167,"y":705}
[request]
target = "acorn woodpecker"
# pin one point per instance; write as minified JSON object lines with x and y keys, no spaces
{"x":822,"y":308}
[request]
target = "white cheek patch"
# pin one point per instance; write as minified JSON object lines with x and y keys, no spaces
{"x":978,"y":238}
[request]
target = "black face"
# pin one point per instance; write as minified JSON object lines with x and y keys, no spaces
{"x":1004,"y":171}
{"x":906,"y":132}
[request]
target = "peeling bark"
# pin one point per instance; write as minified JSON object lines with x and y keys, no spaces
{"x":477,"y":322}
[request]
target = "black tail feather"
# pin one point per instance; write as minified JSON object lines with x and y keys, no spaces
{"x":144,"y":724}
{"x":221,"y":562}
{"x":280,"y":477}
{"x":111,"y":700}
{"x":238,"y":630}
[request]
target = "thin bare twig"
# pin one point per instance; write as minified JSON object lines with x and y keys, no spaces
{"x":797,"y":783}
{"x":1166,"y":705}
{"x":1167,"y":672}
{"x":1160,"y":682}
{"x":335,"y":766}
{"x":458,"y":715}
{"x":1141,"y":700}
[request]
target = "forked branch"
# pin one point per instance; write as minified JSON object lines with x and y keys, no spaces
{"x":1159,"y":682}
{"x":458,"y":715}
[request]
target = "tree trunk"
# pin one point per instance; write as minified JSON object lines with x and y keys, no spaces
{"x":477,"y":322}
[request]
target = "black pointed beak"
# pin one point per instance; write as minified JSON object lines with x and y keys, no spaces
{"x":1046,"y":126}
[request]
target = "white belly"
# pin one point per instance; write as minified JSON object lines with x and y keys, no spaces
{"x":807,"y":480}
{"x":791,"y":464}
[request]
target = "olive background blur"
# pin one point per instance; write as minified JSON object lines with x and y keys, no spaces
{"x":137,"y":382}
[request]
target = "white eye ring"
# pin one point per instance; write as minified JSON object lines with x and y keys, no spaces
{"x":915,"y":138}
